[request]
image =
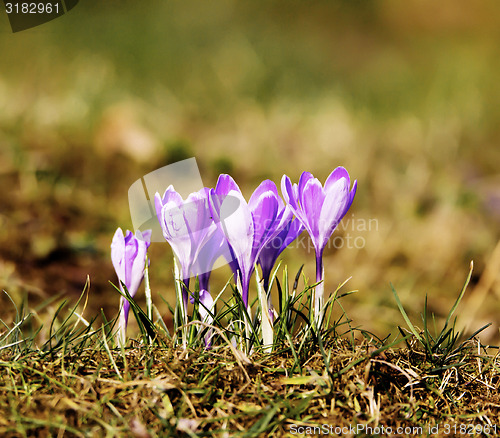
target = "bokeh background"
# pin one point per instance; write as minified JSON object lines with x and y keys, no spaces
{"x":405,"y":95}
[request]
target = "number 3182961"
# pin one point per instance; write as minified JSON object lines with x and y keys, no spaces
{"x":32,"y":8}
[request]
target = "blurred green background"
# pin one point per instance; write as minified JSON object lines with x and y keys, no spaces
{"x":405,"y":95}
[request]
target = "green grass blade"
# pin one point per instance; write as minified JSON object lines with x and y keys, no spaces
{"x":405,"y":316}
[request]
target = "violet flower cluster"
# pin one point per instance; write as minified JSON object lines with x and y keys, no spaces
{"x":219,"y":222}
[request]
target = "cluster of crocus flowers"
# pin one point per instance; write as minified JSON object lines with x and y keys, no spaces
{"x":219,"y":222}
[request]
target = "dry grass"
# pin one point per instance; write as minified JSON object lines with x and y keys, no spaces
{"x":172,"y":392}
{"x":67,"y":378}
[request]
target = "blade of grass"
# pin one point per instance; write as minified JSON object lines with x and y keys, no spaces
{"x":405,"y":316}
{"x":462,"y":292}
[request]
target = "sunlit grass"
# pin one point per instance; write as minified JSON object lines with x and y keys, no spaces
{"x":66,"y":375}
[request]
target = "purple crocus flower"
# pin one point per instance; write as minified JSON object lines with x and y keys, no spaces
{"x":128,"y":254}
{"x":272,"y":249}
{"x":187,"y":226}
{"x":217,"y":196}
{"x":320,"y":209}
{"x":213,"y":248}
{"x":247,"y":227}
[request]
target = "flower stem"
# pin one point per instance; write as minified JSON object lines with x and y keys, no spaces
{"x":181,"y":294}
{"x":319,"y":290}
{"x":147,"y":290}
{"x":185,"y":293}
{"x":266,"y":275}
{"x":267,"y":325}
{"x":245,"y":286}
{"x":122,"y":322}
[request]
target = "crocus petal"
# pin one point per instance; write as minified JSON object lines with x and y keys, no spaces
{"x":269,"y":215}
{"x":225,"y":184}
{"x":263,"y":188}
{"x":352,"y":193}
{"x":238,"y":229}
{"x":128,"y":255}
{"x":118,"y":254}
{"x":289,"y":192}
{"x":319,"y":209}
{"x":271,"y":251}
{"x":293,"y":231}
{"x":313,"y":197}
{"x":137,"y":268}
{"x":131,"y":251}
{"x":176,"y":233}
{"x":185,"y":224}
{"x":333,"y":209}
{"x":170,"y":195}
{"x":339,"y":172}
{"x":304,"y":178}
{"x":213,"y":248}
{"x":198,"y":221}
{"x":264,"y":216}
